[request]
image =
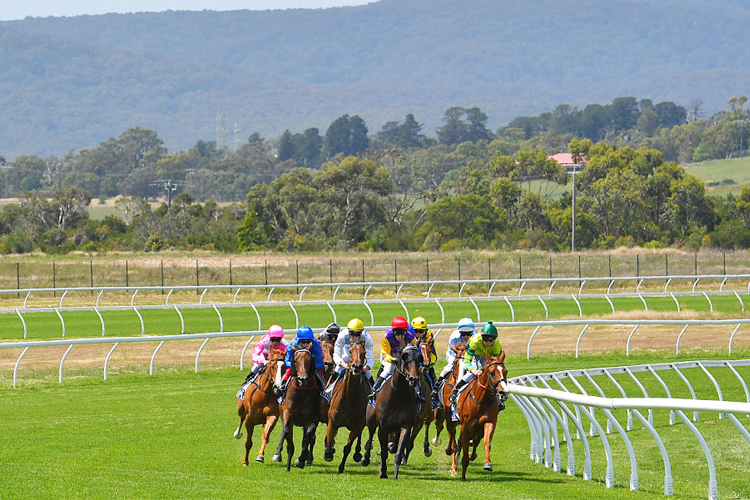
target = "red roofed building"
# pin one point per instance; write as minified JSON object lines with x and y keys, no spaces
{"x":566,"y":160}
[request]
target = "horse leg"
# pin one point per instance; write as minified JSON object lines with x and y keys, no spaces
{"x":464,"y":445}
{"x":403,"y":442}
{"x":270,"y":424}
{"x":289,"y":446}
{"x":353,"y":434}
{"x":426,"y":444}
{"x":383,"y":438}
{"x":439,"y":417}
{"x":371,"y":424}
{"x":302,"y":459}
{"x":242,"y":412}
{"x":330,"y":439}
{"x":311,"y":445}
{"x":277,"y":456}
{"x":489,"y":431}
{"x":357,"y":457}
{"x":248,"y":442}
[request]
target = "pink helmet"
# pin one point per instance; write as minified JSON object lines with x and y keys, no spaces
{"x":276,"y":332}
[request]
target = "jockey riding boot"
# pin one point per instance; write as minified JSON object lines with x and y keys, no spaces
{"x":418,"y":392}
{"x":454,"y":394}
{"x":249,"y":378}
{"x":377,"y":385}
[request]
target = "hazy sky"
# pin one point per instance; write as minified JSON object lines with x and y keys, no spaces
{"x":18,"y":9}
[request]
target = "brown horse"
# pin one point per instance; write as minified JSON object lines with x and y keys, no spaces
{"x":301,"y":408}
{"x":425,"y":416}
{"x":395,"y":410}
{"x":439,"y":414}
{"x":348,"y":403}
{"x":260,"y":405}
{"x":327,"y":346}
{"x":477,"y":408}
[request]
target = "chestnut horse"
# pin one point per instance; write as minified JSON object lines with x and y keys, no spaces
{"x":260,"y":404}
{"x":425,"y":416}
{"x":439,"y":414}
{"x":477,"y":407}
{"x":301,"y":408}
{"x":348,"y":403}
{"x":327,"y":346}
{"x":395,"y":410}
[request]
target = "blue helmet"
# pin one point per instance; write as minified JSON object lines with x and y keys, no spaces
{"x":465,"y":325}
{"x":305,"y":333}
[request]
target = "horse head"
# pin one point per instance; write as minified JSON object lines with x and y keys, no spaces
{"x":327,"y":348}
{"x":357,"y":358}
{"x":273,"y":367}
{"x":425,"y":354}
{"x":409,"y":364}
{"x":303,"y":365}
{"x":497,"y":375}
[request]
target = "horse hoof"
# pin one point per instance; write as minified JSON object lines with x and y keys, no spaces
{"x":391,"y":447}
{"x":237,"y":434}
{"x":428,"y":452}
{"x":454,"y":474}
{"x":437,"y":441}
{"x":244,"y":464}
{"x":328,"y":458}
{"x":488,"y":467}
{"x":276,"y":458}
{"x":357,"y":457}
{"x":259,"y":458}
{"x":384,"y":476}
{"x":365,"y":462}
{"x":299,"y":464}
{"x":308,"y":463}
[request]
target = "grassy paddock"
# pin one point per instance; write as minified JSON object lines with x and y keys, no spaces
{"x":205,"y":268}
{"x":170,"y":436}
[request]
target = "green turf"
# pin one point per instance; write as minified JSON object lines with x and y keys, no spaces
{"x":170,"y":436}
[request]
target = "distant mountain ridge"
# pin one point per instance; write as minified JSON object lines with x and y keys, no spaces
{"x":73,"y":82}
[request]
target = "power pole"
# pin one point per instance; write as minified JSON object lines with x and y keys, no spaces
{"x":169,"y":188}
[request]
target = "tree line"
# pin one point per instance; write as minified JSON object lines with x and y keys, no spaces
{"x":397,"y":189}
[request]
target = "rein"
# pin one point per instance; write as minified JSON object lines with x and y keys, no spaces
{"x":294,"y":374}
{"x":271,"y":382}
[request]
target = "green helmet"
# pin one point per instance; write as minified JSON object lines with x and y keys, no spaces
{"x":489,"y":329}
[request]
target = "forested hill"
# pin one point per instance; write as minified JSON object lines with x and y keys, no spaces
{"x":73,"y":82}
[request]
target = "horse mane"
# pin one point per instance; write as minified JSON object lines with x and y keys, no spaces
{"x":459,"y":347}
{"x":276,"y":354}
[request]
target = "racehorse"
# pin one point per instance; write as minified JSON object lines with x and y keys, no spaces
{"x":395,"y":410}
{"x":425,"y":416}
{"x":445,"y":389}
{"x":327,"y":346}
{"x":348,"y":403}
{"x":477,"y":407}
{"x":301,"y":408}
{"x":259,"y":404}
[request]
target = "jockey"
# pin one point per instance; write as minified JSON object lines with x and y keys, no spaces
{"x":423,"y":334}
{"x":330,"y":334}
{"x":274,"y":339}
{"x":394,"y":341}
{"x":305,"y":339}
{"x":480,"y":346}
{"x":355,"y":330}
{"x":461,"y":334}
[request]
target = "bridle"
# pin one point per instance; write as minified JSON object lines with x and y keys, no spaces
{"x":356,"y":368}
{"x":294,"y":370}
{"x":409,"y":354}
{"x":270,"y":380}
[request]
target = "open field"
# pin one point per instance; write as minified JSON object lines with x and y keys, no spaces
{"x":716,"y":171}
{"x":170,"y":436}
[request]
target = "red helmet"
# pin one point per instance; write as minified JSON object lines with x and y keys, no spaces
{"x":400,"y":323}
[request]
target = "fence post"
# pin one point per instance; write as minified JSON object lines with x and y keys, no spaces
{"x":18,"y":277}
{"x":296,"y":264}
{"x":230,"y":276}
{"x":161,"y":266}
{"x":696,"y":263}
{"x":550,"y":268}
{"x":666,"y":265}
{"x":520,"y":276}
{"x":265,"y":271}
{"x":579,"y":270}
{"x":609,"y":260}
{"x":395,"y":273}
{"x":725,"y":263}
{"x":54,"y":279}
{"x":637,"y":266}
{"x":127,"y":278}
{"x":91,"y":276}
{"x":428,"y":269}
{"x":459,"y":274}
{"x":363,"y":275}
{"x":197,"y":281}
{"x":330,"y":272}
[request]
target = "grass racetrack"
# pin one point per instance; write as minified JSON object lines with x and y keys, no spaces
{"x":170,"y":436}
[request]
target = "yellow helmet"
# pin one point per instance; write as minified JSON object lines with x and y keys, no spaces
{"x":419,"y":323}
{"x":356,"y":325}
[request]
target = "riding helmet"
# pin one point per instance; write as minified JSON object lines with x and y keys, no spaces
{"x":400,"y":322}
{"x":419,"y":323}
{"x":332,"y":330}
{"x":489,"y":329}
{"x":355,"y":324}
{"x":276,"y":332}
{"x":466,"y":325}
{"x":305,"y":333}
